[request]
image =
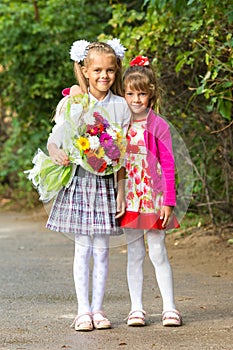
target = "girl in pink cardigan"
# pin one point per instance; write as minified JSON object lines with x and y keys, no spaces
{"x":150,"y":192}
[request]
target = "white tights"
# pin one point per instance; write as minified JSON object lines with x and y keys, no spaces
{"x":159,"y":259}
{"x":85,"y":248}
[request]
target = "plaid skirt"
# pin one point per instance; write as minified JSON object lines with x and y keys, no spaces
{"x":87,"y":207}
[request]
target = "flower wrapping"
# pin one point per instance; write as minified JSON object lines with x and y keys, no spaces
{"x":47,"y":177}
{"x":100,"y":143}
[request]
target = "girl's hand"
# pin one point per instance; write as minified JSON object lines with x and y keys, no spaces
{"x":165,"y":214}
{"x":75,"y":90}
{"x":58,"y":156}
{"x":120,"y":205}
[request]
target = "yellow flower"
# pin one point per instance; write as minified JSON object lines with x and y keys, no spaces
{"x":99,"y":152}
{"x":121,"y":143}
{"x":119,"y":136}
{"x":82,"y":143}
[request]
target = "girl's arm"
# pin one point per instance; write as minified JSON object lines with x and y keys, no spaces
{"x":120,"y":192}
{"x":167,"y":162}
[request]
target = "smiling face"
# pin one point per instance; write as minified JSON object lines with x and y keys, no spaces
{"x":140,"y":90}
{"x":138,"y":102}
{"x":101,"y":73}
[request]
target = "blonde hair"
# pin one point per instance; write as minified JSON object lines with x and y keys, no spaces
{"x":99,"y":48}
{"x":142,"y":78}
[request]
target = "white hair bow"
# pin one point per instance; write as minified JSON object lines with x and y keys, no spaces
{"x":79,"y":49}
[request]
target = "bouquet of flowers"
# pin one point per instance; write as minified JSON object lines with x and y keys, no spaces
{"x":96,"y":144}
{"x":101,"y":144}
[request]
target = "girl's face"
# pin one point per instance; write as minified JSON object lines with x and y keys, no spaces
{"x":101,"y":73}
{"x":138,"y":102}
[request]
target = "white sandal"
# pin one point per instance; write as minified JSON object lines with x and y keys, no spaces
{"x":136,"y":318}
{"x":171,"y":318}
{"x":82,"y":325}
{"x":100,"y":320}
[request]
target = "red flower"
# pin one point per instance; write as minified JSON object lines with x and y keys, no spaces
{"x":132,"y":148}
{"x":135,"y":170}
{"x":97,"y":164}
{"x":139,"y":193}
{"x":140,"y":61}
{"x":131,"y":173}
{"x":92,"y":130}
{"x":149,"y":204}
{"x":146,"y":180}
{"x":132,"y":132}
{"x":137,"y":180}
{"x":128,"y":166}
{"x":100,"y":127}
{"x":130,"y":195}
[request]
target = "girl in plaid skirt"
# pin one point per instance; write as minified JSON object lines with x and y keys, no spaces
{"x":88,"y":205}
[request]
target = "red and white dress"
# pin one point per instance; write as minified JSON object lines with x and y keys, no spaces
{"x":143,"y":203}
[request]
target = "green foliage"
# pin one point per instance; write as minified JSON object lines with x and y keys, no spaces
{"x":35,"y":39}
{"x":190,"y":44}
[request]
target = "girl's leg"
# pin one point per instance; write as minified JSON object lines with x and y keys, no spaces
{"x":136,"y":255}
{"x":83,"y":251}
{"x":163,"y":271}
{"x":99,"y":278}
{"x":100,"y":270}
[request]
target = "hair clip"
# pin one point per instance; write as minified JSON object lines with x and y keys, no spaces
{"x":140,"y":61}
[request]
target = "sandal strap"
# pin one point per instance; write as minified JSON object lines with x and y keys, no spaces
{"x":101,"y":312}
{"x":100,"y":323}
{"x":133,"y":311}
{"x":175,"y":312}
{"x":78,"y":316}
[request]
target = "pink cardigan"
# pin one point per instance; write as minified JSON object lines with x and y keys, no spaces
{"x":159,"y":150}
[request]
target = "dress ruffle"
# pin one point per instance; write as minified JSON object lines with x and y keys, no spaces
{"x":146,"y":221}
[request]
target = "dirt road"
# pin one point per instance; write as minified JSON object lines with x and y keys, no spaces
{"x":37,"y":299}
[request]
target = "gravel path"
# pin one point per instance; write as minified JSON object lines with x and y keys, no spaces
{"x":37,"y":299}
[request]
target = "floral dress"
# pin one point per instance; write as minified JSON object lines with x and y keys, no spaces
{"x":143,"y":204}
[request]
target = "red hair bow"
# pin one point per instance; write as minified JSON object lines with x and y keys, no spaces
{"x":140,"y":61}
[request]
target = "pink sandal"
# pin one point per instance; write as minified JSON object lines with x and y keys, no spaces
{"x":83,"y":325}
{"x":171,"y":318}
{"x":135,"y":319}
{"x":100,"y":321}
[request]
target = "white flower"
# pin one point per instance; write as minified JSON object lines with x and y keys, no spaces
{"x":112,"y":133}
{"x":117,"y":47}
{"x":94,"y":142}
{"x":78,"y":50}
{"x":107,"y":160}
